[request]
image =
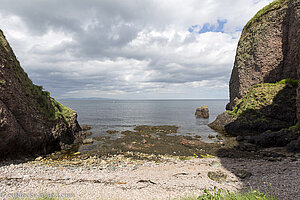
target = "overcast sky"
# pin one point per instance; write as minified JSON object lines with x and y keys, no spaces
{"x":128,"y":49}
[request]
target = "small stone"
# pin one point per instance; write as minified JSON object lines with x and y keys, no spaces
{"x":103,"y":162}
{"x":144,"y":141}
{"x":85,"y":127}
{"x":88,"y":133}
{"x":211,"y":136}
{"x":219,"y":137}
{"x":215,"y":164}
{"x":39,"y":158}
{"x":217,"y":176}
{"x":88,"y":141}
{"x":242,"y":173}
{"x":55,"y":157}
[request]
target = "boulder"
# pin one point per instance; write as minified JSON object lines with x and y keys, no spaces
{"x":202,"y":112}
{"x":221,"y":121}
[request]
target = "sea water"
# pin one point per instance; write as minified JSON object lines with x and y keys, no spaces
{"x":122,"y":115}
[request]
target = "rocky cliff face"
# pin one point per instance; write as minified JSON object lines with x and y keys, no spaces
{"x":265,"y":78}
{"x":267,"y":49}
{"x":31,"y":122}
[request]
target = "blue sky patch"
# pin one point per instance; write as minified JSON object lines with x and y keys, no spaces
{"x":207,"y":27}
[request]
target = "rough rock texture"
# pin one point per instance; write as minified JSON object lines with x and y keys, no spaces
{"x":268,"y":50}
{"x":31,"y":122}
{"x":221,"y":121}
{"x":275,"y":139}
{"x":202,"y":112}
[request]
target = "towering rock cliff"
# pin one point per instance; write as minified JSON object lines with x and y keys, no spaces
{"x":31,"y":122}
{"x":267,"y":50}
{"x":265,"y":77}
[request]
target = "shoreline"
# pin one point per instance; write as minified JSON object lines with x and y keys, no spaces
{"x":123,"y":171}
{"x":119,"y":177}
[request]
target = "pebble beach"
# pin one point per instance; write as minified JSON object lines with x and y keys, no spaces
{"x":119,"y":177}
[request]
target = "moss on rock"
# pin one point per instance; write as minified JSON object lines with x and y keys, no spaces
{"x":267,"y":94}
{"x":266,"y":106}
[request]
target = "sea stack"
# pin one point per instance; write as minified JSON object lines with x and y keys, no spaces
{"x":202,"y":112}
{"x":31,"y":122}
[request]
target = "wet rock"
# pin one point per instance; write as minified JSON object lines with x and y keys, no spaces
{"x":85,"y":127}
{"x":186,"y":142}
{"x":88,"y":141}
{"x":219,"y":137}
{"x":88,"y":133}
{"x":210,"y":136}
{"x":243,"y":174}
{"x":112,"y":131}
{"x":202,"y":112}
{"x":217,"y":176}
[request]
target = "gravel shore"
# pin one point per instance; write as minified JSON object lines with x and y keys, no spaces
{"x":124,"y":178}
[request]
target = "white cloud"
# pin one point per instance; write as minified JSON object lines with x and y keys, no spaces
{"x":127,"y":49}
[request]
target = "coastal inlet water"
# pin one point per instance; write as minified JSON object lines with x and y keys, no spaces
{"x":123,"y":115}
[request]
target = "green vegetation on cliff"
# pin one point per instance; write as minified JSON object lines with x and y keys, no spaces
{"x":277,"y":4}
{"x":266,"y":94}
{"x":39,"y":98}
{"x":266,"y":106}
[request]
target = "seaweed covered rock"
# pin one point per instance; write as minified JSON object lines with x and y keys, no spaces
{"x":267,"y":106}
{"x":31,"y":122}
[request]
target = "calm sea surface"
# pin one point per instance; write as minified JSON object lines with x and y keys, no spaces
{"x":123,"y":115}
